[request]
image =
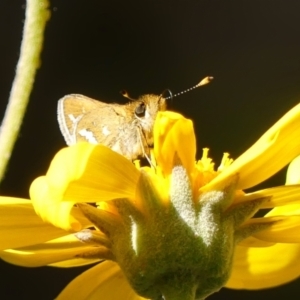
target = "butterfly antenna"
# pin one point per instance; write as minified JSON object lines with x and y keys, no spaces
{"x":164,"y":92}
{"x":204,"y":81}
{"x":126,"y":95}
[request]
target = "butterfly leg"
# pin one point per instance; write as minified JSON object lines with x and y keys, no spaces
{"x":141,"y":137}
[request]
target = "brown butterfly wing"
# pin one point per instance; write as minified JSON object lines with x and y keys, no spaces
{"x":84,"y":119}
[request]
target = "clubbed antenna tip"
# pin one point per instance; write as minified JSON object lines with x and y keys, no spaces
{"x":205,"y":80}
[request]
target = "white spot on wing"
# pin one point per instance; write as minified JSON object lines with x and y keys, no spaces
{"x":68,"y":133}
{"x":105,"y":131}
{"x":88,"y":135}
{"x":72,"y":118}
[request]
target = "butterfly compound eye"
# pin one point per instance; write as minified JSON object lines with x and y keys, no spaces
{"x":140,"y":110}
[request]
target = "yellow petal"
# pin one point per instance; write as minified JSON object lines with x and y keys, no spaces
{"x":258,"y":268}
{"x":275,"y":149}
{"x":51,"y":252}
{"x":60,"y":214}
{"x":279,"y":196}
{"x":75,"y":262}
{"x":293,"y":172}
{"x":20,"y":226}
{"x":284,"y":230}
{"x":287,"y":210}
{"x":254,"y":242}
{"x":174,"y":137}
{"x":104,"y":281}
{"x":90,"y":173}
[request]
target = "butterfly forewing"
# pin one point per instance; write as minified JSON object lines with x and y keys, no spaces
{"x":73,"y":111}
{"x":84,"y":119}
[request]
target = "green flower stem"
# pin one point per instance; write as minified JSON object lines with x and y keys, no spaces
{"x":37,"y":15}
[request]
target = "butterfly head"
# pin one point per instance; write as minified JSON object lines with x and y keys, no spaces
{"x":145,"y":109}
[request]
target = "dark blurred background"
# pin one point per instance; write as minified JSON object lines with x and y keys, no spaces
{"x":97,"y":48}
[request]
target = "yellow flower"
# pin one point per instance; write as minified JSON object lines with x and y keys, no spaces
{"x":175,"y":230}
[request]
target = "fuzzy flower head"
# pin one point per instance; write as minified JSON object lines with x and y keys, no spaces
{"x":176,"y":230}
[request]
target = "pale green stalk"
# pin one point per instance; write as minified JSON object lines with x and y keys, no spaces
{"x":37,"y":15}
